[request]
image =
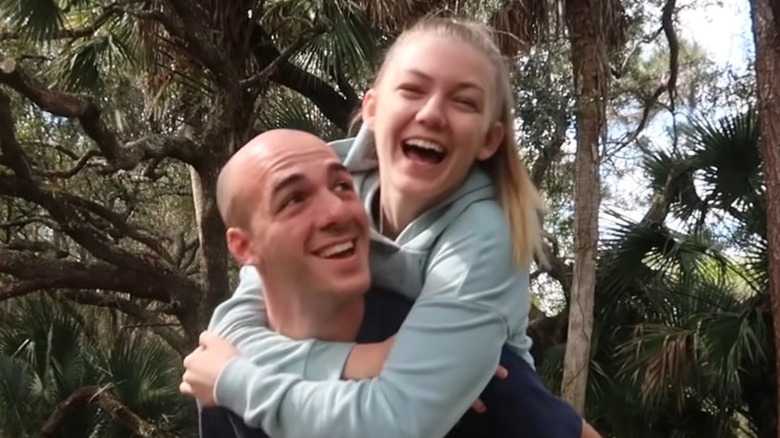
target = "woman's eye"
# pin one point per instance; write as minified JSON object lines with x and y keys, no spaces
{"x":467,"y":103}
{"x":411,"y":89}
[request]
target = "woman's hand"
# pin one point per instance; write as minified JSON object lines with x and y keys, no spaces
{"x":479,"y":406}
{"x":366,"y":361}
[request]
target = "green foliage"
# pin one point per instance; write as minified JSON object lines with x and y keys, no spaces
{"x":50,"y":348}
{"x":683,"y":332}
{"x":682,"y":327}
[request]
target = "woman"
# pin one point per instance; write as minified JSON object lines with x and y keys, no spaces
{"x":455,"y":225}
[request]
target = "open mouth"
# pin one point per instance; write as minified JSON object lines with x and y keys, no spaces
{"x":423,"y":150}
{"x":338,"y":251}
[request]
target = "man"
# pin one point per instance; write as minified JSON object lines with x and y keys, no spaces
{"x":291,"y":212}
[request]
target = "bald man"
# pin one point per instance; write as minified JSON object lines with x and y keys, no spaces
{"x":292,"y":213}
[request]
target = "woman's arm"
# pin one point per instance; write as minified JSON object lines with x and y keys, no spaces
{"x":242,"y":321}
{"x":443,"y":356}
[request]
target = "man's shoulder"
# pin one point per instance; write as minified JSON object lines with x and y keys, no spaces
{"x":384,"y":313}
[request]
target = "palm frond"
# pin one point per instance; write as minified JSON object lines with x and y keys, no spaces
{"x":520,"y":23}
{"x":145,"y":373}
{"x":350,"y":47}
{"x":39,"y":20}
{"x":284,"y":109}
{"x":727,"y":154}
{"x":16,"y":399}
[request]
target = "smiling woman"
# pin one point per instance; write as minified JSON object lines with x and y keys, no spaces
{"x":432,"y":120}
{"x":455,"y":224}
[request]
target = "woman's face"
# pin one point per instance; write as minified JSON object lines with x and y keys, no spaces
{"x":433,"y":115}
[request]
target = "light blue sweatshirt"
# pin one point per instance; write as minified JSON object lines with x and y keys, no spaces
{"x":471,"y":299}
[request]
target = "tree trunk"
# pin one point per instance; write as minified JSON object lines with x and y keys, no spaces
{"x":588,"y":60}
{"x":766,"y":31}
{"x":213,"y":246}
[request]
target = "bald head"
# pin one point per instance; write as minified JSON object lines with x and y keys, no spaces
{"x":240,"y":176}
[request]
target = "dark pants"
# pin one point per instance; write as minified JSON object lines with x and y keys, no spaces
{"x":518,"y":406}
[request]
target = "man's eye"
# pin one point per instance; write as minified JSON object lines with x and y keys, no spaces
{"x":343,"y":187}
{"x":294,"y":200}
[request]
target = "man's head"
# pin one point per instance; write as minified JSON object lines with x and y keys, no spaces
{"x":291,"y":211}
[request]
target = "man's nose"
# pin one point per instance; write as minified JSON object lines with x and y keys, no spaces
{"x":431,"y":114}
{"x":332,"y":211}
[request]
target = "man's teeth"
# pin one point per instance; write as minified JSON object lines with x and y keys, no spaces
{"x":337,"y":249}
{"x":425,"y":144}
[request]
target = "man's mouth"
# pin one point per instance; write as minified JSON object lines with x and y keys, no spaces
{"x":425,"y":151}
{"x":338,"y":250}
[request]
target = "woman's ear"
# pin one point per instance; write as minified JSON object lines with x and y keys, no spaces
{"x":368,"y":108}
{"x":495,"y":136}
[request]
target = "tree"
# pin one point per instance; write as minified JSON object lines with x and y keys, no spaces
{"x":682,"y":331}
{"x":766,"y":31}
{"x":145,"y":94}
{"x":595,"y":29}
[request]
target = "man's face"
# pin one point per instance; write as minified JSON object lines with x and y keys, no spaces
{"x":308,"y":229}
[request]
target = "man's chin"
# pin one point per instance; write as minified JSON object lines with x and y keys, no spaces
{"x":351,"y":285}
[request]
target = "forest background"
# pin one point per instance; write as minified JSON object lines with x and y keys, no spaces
{"x":651,"y":127}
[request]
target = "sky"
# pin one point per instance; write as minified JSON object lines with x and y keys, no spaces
{"x":723,"y":29}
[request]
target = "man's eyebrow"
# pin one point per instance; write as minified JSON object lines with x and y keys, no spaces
{"x":284,"y":183}
{"x":334,"y":168}
{"x":297,"y":178}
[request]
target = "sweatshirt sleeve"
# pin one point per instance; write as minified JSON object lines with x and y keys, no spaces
{"x":444,"y":354}
{"x":242,"y":320}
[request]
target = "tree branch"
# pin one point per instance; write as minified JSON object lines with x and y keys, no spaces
{"x":122,"y":228}
{"x":12,"y":154}
{"x":556,"y":266}
{"x":192,"y":45}
{"x":332,"y":104}
{"x":674,"y":48}
{"x":147,"y":317}
{"x":69,"y":105}
{"x":27,"y":221}
{"x":108,"y":403}
{"x":550,"y":152}
{"x":72,"y":222}
{"x":80,"y":164}
{"x":38,"y":247}
{"x":263,"y":76}
{"x":72,"y":34}
{"x":346,"y":88}
{"x":670,"y":85}
{"x":37,"y":273}
{"x":672,"y":190}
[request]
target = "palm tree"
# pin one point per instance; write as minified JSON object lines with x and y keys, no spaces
{"x":682,"y":342}
{"x":70,"y":372}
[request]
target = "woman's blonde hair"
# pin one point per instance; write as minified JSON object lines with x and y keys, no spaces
{"x":519,"y":198}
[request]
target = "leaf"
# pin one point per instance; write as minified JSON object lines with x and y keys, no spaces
{"x":39,"y":20}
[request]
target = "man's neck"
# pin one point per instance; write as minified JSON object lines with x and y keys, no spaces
{"x":327,"y":317}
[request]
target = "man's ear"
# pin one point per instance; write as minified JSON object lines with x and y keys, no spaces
{"x":368,"y":108}
{"x":495,"y":136}
{"x":238,"y":245}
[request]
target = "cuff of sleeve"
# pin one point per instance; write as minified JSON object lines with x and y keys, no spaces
{"x":230,"y":385}
{"x":326,"y":360}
